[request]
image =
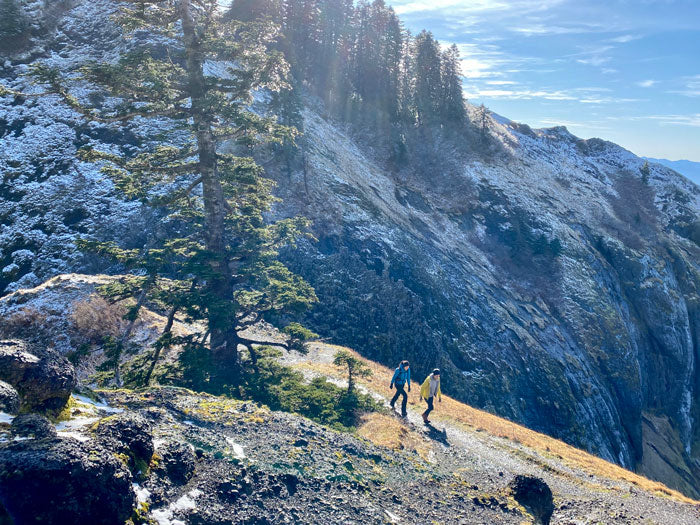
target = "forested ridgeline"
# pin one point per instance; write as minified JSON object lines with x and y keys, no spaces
{"x":368,"y":69}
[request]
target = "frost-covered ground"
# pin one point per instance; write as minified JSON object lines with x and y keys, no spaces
{"x":597,"y":346}
{"x":583,"y":345}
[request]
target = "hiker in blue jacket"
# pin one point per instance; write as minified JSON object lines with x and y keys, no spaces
{"x":402,"y":378}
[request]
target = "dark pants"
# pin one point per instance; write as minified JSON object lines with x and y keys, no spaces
{"x":430,"y":407}
{"x":400,"y":392}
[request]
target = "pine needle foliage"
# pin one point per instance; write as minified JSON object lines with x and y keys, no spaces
{"x":217,"y":261}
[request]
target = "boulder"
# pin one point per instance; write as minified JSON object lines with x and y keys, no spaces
{"x":58,"y":481}
{"x":128,"y":434}
{"x":9,"y":399}
{"x":177,"y":461}
{"x":43,"y":378}
{"x":32,"y":426}
{"x":535,"y":495}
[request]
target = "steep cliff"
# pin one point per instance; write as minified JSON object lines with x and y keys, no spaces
{"x":553,"y":281}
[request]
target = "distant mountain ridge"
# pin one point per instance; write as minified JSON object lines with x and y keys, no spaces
{"x":687,"y":168}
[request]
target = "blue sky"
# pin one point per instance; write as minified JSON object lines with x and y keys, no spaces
{"x":623,"y":70}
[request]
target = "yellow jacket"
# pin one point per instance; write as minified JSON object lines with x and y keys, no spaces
{"x":425,"y":389}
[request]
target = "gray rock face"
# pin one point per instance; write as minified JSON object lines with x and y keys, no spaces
{"x":43,"y":379}
{"x":32,"y":426}
{"x":129,"y":434}
{"x":9,"y":399}
{"x":60,"y":481}
{"x":551,"y":283}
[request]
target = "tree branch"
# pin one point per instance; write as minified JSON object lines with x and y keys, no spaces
{"x":246,"y":342}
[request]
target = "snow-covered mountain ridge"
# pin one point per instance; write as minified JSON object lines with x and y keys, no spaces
{"x":552,"y":281}
{"x":686,"y":168}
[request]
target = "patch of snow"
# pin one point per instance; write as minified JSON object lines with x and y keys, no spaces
{"x":73,"y":435}
{"x":6,"y":418}
{"x":183,"y":504}
{"x":143,"y":495}
{"x":101,"y":405}
{"x":237,"y":449}
{"x":76,"y":423}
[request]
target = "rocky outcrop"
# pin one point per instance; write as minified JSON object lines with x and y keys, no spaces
{"x":32,"y":426}
{"x":534,"y":494}
{"x":9,"y":399}
{"x":59,"y":481}
{"x":127,"y":434}
{"x":177,"y":461}
{"x":552,"y":282}
{"x":43,"y":379}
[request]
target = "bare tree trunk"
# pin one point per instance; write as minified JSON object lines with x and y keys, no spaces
{"x":159,"y":348}
{"x":129,"y":328}
{"x":223,"y":343}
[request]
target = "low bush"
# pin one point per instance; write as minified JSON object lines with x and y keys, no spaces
{"x":280,"y":387}
{"x":95,"y":319}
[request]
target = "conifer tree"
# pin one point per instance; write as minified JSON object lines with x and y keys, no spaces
{"x":355,"y":367}
{"x":223,"y":266}
{"x":428,"y":77}
{"x":452,"y":100}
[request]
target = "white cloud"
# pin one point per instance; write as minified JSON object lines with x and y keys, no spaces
{"x":584,"y":95}
{"x":647,"y":83}
{"x":594,"y":61}
{"x":674,"y":120}
{"x":548,"y":122}
{"x":623,"y":39}
{"x":691,"y":89}
{"x":473,"y":6}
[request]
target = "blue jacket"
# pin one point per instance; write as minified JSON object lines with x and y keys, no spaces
{"x":401,"y":376}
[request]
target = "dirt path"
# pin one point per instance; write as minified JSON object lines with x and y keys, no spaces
{"x":490,"y":463}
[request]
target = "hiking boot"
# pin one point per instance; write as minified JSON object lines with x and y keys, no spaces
{"x":404,"y":414}
{"x":425,"y":419}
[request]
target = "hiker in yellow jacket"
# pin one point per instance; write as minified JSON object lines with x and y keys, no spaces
{"x":429,"y":390}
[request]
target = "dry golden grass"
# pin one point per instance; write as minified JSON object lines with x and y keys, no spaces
{"x":94,"y":318}
{"x":460,"y":414}
{"x":387,"y":432}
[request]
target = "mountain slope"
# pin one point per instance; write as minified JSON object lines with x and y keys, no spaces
{"x":454,"y":271}
{"x":684,"y":167}
{"x":545,"y":276}
{"x":213,"y":460}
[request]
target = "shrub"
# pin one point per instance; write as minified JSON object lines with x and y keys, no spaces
{"x":95,"y":319}
{"x":23,"y":323}
{"x":282,"y":388}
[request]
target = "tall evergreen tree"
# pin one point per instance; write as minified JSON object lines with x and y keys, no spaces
{"x":256,"y":10}
{"x":225,"y":259}
{"x":452,"y":100}
{"x":301,"y":29}
{"x":407,"y":113}
{"x":334,"y":36}
{"x":428,"y":90}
